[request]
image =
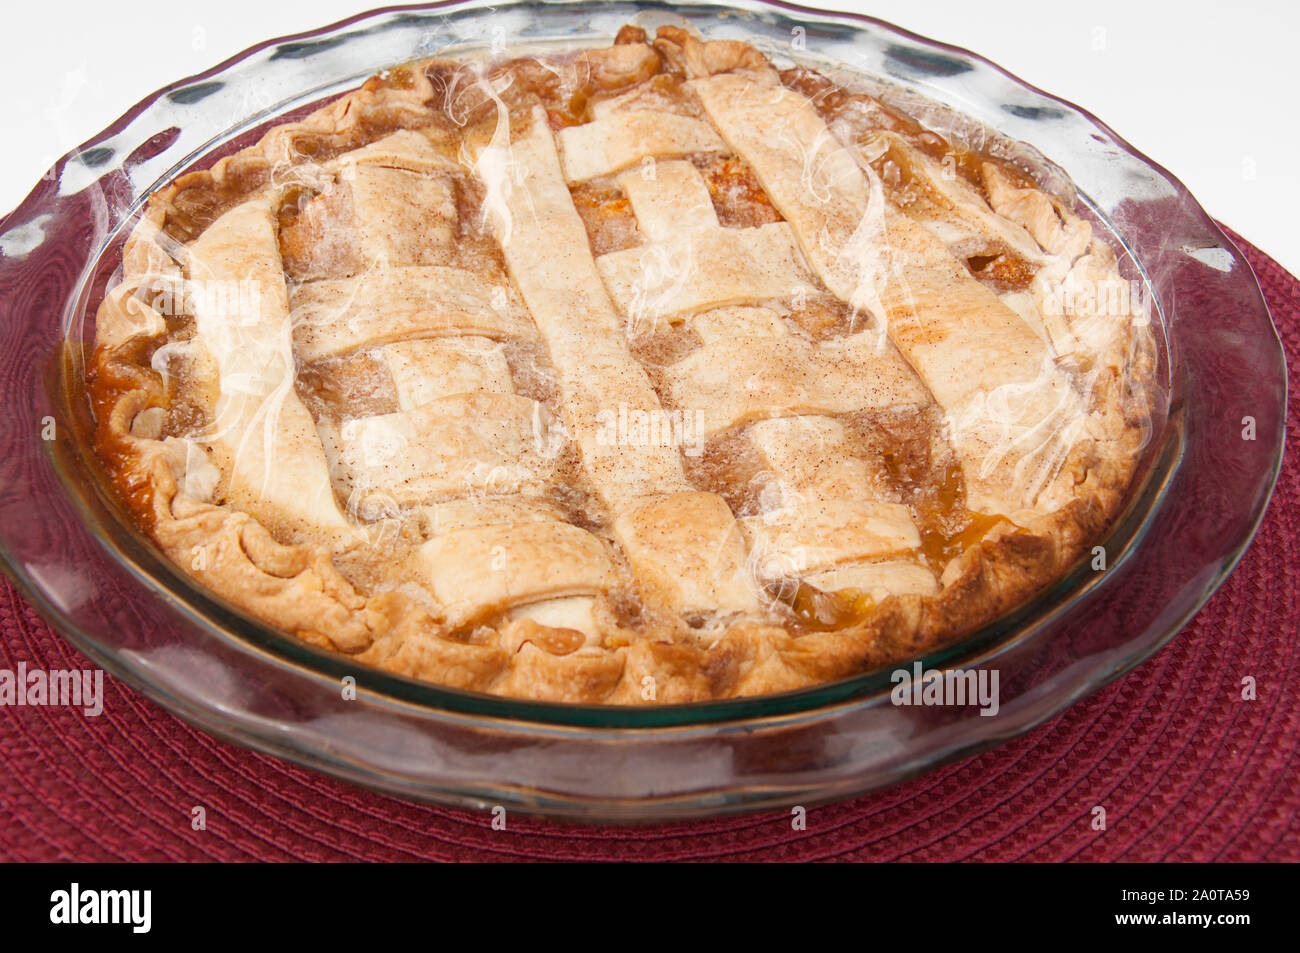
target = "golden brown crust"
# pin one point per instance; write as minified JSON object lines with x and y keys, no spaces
{"x":299,"y":588}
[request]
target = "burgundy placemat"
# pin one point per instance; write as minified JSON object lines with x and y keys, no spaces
{"x":1185,"y":769}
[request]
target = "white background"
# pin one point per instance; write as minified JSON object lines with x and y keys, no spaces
{"x":1207,"y":89}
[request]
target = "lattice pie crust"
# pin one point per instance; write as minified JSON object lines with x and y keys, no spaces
{"x":645,"y":374}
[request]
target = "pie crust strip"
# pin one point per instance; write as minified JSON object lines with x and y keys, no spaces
{"x":278,"y":470}
{"x":621,"y":138}
{"x":333,"y":316}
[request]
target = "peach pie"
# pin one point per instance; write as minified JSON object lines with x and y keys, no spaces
{"x":637,"y":375}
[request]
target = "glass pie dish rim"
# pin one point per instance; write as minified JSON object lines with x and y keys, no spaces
{"x":809,"y":702}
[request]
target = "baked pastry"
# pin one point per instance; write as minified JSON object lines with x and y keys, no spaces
{"x":644,"y":374}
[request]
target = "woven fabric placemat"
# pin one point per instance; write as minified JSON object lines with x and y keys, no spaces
{"x":1186,"y":770}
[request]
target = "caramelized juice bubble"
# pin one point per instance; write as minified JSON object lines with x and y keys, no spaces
{"x":816,"y":610}
{"x":947,"y":527}
{"x":940,"y":548}
{"x":574,"y":111}
{"x":1004,"y":272}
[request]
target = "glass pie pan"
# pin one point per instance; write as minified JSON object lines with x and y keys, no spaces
{"x":1199,"y":495}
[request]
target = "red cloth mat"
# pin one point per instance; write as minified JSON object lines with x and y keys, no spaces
{"x":1185,"y":769}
